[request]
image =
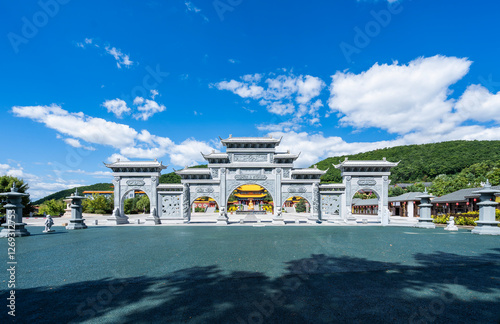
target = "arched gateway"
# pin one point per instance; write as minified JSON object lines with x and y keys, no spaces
{"x":248,"y":160}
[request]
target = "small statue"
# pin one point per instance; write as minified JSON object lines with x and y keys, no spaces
{"x":48,"y":224}
{"x":222,"y":212}
{"x":278,"y":212}
{"x":451,"y":225}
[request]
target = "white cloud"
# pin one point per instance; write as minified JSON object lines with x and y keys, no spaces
{"x":116,"y":157}
{"x":281,"y":95}
{"x":399,"y":98}
{"x":77,"y":125}
{"x":154,"y":93}
{"x":477,"y":103}
{"x":117,"y":107}
{"x":129,"y":142}
{"x":121,"y":59}
{"x":76,"y":143}
{"x":147,"y":108}
{"x":189,"y":152}
{"x":192,"y":8}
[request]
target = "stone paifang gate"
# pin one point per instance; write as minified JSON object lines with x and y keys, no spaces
{"x":250,"y":160}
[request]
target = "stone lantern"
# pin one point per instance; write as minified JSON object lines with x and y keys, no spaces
{"x":425,"y":220}
{"x":14,"y":227}
{"x":487,"y":225}
{"x":76,"y":221}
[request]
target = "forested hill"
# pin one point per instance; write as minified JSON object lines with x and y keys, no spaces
{"x":171,"y":177}
{"x":422,"y":162}
{"x":66,"y":193}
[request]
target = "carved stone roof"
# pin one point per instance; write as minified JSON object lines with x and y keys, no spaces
{"x":366,"y":163}
{"x":136,"y":164}
{"x":216,"y":156}
{"x":195,"y":171}
{"x":286,"y":156}
{"x":170,"y":186}
{"x":261,"y":140}
{"x":308,"y":171}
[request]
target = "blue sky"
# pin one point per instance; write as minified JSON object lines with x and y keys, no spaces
{"x":86,"y":82}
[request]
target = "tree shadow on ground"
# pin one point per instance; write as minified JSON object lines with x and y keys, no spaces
{"x":442,"y":288}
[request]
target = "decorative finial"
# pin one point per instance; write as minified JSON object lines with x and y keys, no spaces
{"x":346,"y":158}
{"x":14,"y":188}
{"x":117,"y":159}
{"x":487,"y":184}
{"x":288,"y":151}
{"x":213,"y":151}
{"x":384,"y":159}
{"x":156,"y":160}
{"x":76,"y":191}
{"x":425,"y":190}
{"x":315,"y":166}
{"x":185,"y":167}
{"x":230,"y":135}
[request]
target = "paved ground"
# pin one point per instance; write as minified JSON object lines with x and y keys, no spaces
{"x":244,"y":274}
{"x":210,"y":220}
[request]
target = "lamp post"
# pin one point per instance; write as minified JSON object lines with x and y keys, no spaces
{"x":76,"y":221}
{"x":487,"y":225}
{"x":14,"y":227}
{"x":425,"y":220}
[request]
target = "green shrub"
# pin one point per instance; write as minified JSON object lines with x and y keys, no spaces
{"x":199,"y":210}
{"x":441,"y":219}
{"x":466,"y":221}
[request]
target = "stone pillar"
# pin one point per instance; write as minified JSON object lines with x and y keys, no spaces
{"x":411,"y":209}
{"x":487,"y":224}
{"x":153,"y":218}
{"x":186,"y":206}
{"x":315,"y":215}
{"x":425,"y":220}
{"x":76,"y":221}
{"x":222,"y":219}
{"x":118,"y":216}
{"x":278,"y":214}
{"x":14,"y":227}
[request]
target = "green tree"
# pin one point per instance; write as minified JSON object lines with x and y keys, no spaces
{"x":98,"y":204}
{"x":396,"y":191}
{"x":494,"y":176}
{"x":52,"y":207}
{"x":143,"y":204}
{"x":300,"y":207}
{"x":5,"y":186}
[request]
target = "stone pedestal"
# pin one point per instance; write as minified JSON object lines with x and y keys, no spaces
{"x":425,"y":220}
{"x":117,"y":218}
{"x":278,"y":218}
{"x":487,"y":224}
{"x":153,"y":218}
{"x":222,"y":219}
{"x":14,"y":227}
{"x":76,"y":221}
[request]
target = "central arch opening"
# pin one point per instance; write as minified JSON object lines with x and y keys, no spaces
{"x":250,"y":200}
{"x":135,"y":201}
{"x":365,"y":202}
